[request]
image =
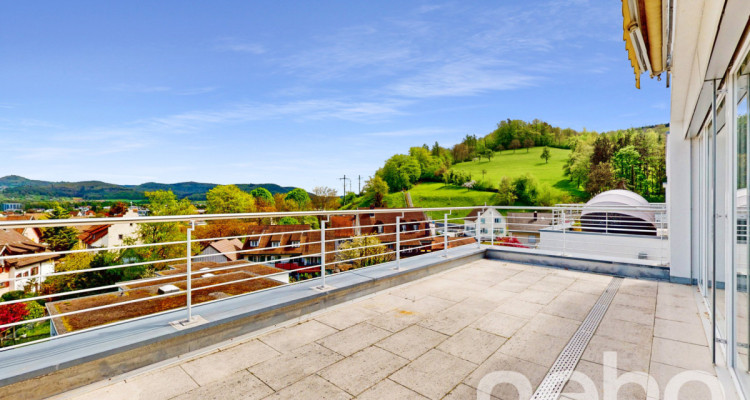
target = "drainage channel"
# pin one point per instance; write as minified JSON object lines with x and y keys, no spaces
{"x":562,"y":369}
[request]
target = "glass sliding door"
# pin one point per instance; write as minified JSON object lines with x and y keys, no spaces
{"x":741,"y":213}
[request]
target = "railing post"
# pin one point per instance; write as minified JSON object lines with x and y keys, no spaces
{"x":398,"y":243}
{"x":477,"y":234}
{"x":445,"y":236}
{"x":492,"y":230}
{"x":190,"y":272}
{"x":323,"y":252}
{"x":564,"y":222}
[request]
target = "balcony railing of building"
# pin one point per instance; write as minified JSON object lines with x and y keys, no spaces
{"x":345,"y":240}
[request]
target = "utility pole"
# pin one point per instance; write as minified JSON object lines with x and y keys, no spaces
{"x":344,"y":179}
{"x":359,"y":184}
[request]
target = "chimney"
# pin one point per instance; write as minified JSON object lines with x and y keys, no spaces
{"x":535,"y":216}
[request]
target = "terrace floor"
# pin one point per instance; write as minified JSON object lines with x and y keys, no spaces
{"x":438,"y":337}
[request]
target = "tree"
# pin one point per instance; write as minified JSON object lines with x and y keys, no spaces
{"x":602,"y":150}
{"x":12,"y":313}
{"x":325,"y":198}
{"x":229,"y":199}
{"x":545,"y":155}
{"x":600,"y":179}
{"x":400,"y":172}
{"x":60,"y":238}
{"x":506,"y":195}
{"x":528,"y":143}
{"x":117,"y":209}
{"x":488,"y":154}
{"x":288,"y":221}
{"x":525,"y":189}
{"x":484,"y":172}
{"x":161,"y":203}
{"x":299,"y":197}
{"x":363,"y":251}
{"x":349,"y":198}
{"x":262,"y":195}
{"x":377,"y":189}
{"x":514,"y":145}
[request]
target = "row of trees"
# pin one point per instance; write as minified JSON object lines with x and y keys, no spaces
{"x":633,"y":159}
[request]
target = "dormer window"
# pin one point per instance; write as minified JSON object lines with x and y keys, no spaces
{"x":253,"y":243}
{"x":380,"y":228}
{"x":275,"y":244}
{"x":295,"y":243}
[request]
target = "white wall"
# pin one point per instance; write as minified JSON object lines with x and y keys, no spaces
{"x":608,"y":245}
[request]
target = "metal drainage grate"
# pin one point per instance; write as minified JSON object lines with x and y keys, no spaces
{"x":558,"y":375}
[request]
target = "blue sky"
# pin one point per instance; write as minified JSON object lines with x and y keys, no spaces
{"x":296,"y":93}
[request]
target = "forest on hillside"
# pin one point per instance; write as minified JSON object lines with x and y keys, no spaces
{"x":632,"y":159}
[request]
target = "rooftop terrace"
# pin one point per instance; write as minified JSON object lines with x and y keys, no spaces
{"x":438,"y":337}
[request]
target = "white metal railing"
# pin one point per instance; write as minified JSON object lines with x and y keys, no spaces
{"x":564,"y":229}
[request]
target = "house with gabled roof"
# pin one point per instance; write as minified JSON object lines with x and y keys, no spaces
{"x":35,"y":265}
{"x":33,"y":234}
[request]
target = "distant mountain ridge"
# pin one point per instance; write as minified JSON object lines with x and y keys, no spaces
{"x":18,"y":187}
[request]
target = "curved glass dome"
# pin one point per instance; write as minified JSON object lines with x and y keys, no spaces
{"x":618,"y":211}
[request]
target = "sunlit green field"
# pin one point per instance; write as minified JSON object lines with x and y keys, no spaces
{"x":507,"y":163}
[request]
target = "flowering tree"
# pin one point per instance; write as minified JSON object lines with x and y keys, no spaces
{"x":11,"y":313}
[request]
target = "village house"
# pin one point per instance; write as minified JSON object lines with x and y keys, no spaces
{"x":36,"y":267}
{"x":285,"y":246}
{"x":489,"y":219}
{"x":111,"y":235}
{"x":33,"y":234}
{"x":219,"y":251}
{"x":415,"y":230}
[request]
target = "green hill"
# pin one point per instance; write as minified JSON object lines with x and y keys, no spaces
{"x":19,"y":188}
{"x":510,"y":164}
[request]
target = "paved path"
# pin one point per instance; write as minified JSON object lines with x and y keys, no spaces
{"x":438,"y":337}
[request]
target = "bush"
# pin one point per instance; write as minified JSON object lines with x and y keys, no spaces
{"x":35,"y":310}
{"x":484,"y":186}
{"x":14,"y":295}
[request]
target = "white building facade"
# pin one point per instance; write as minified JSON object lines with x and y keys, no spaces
{"x":707,"y":167}
{"x":486,"y":220}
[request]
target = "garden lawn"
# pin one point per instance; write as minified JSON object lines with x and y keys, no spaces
{"x":510,"y":164}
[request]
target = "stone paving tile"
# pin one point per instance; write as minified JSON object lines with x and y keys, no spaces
{"x":500,"y":324}
{"x":472,"y":345}
{"x":667,"y":288}
{"x":535,"y":347}
{"x":571,"y":305}
{"x":384,"y":303}
{"x":680,"y":331}
{"x":362,"y":370}
{"x":347,"y":316}
{"x":452,"y":319}
{"x":463,"y":392}
{"x":639,"y":287}
{"x":280,"y":372}
{"x":595,"y":372}
{"x":512,"y":286}
{"x":220,"y":364}
{"x":354,"y":339}
{"x":644,"y":302}
{"x":682,"y":355}
{"x":529,"y":277}
{"x":162,"y":384}
{"x":626,"y":331}
{"x":239,"y":385}
{"x":584,"y":286}
{"x":288,"y":339}
{"x":412,"y":342}
{"x":662,"y":374}
{"x":632,"y":314}
{"x":389,"y":389}
{"x":495,"y":295}
{"x":434,"y":374}
{"x":537,"y":296}
{"x":551,"y":287}
{"x":312,"y":387}
{"x":501,"y":362}
{"x":409,"y":314}
{"x":552,"y":325}
{"x":630,"y":357}
{"x":681,"y":314}
{"x":519,"y":308}
{"x":458,"y":291}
